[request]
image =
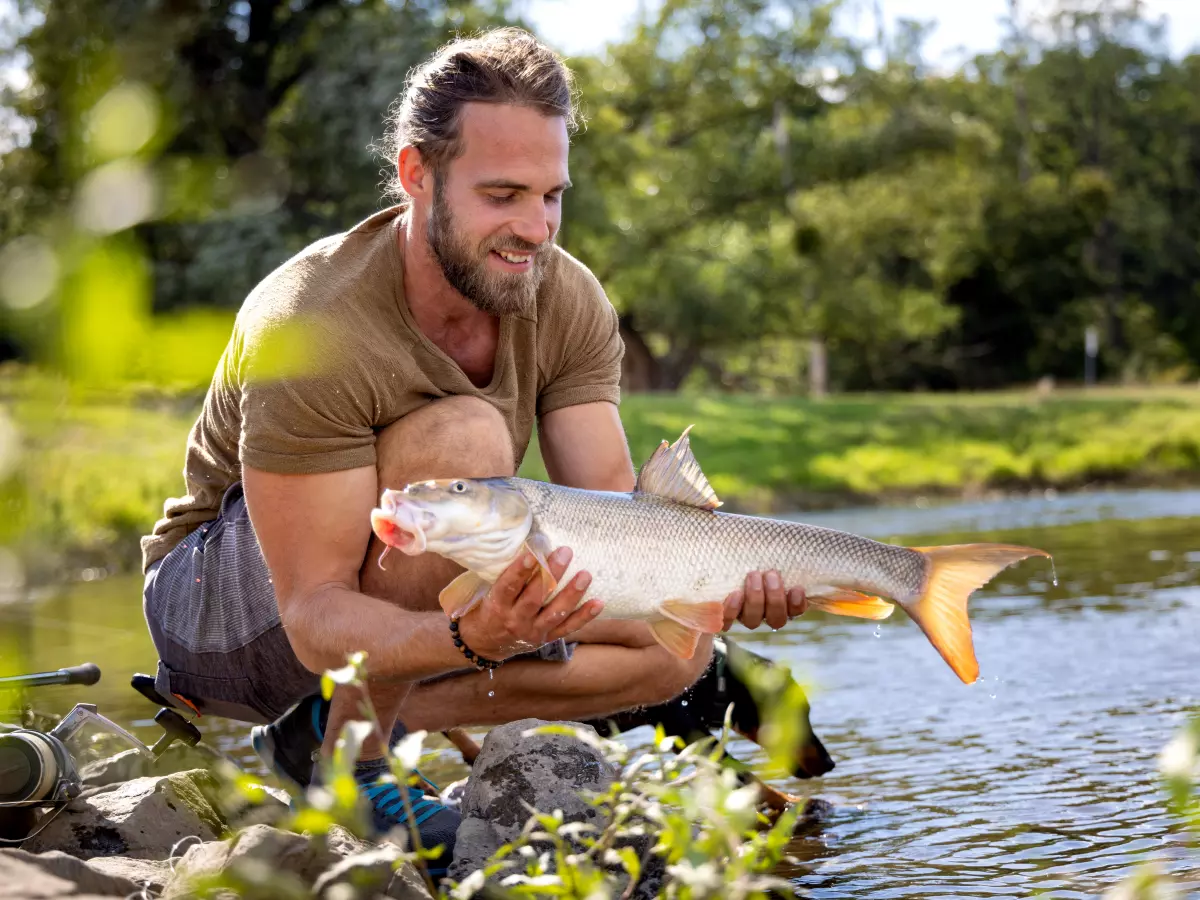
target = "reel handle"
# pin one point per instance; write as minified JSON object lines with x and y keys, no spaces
{"x":175,"y":728}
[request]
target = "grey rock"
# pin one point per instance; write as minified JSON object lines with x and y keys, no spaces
{"x":57,"y":867}
{"x":254,"y":855}
{"x":143,"y":819}
{"x":131,"y":764}
{"x":372,"y":874}
{"x":547,"y":772}
{"x":267,"y":862}
{"x":234,"y":808}
{"x":149,"y":874}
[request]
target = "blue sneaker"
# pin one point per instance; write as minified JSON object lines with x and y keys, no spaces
{"x":435,"y":823}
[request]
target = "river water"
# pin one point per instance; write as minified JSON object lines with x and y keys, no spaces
{"x":1039,"y":780}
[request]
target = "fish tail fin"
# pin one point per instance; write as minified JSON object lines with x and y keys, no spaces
{"x":955,"y":572}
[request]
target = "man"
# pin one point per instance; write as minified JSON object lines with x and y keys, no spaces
{"x":423,"y":343}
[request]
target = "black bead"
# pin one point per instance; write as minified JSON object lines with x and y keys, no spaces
{"x":470,"y":654}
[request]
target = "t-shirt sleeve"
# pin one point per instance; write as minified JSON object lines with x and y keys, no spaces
{"x":582,"y":349}
{"x":306,"y":406}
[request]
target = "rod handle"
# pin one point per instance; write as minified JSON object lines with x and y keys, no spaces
{"x":84,"y":673}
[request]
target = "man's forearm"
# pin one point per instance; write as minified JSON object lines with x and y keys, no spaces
{"x":333,"y":622}
{"x":600,"y":680}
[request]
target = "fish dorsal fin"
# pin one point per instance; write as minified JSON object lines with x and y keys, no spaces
{"x":672,"y":472}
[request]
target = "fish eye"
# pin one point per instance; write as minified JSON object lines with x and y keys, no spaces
{"x":459,"y":487}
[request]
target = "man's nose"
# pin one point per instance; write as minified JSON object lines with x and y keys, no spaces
{"x":535,"y":224}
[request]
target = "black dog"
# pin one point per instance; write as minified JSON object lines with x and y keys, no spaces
{"x":700,"y":710}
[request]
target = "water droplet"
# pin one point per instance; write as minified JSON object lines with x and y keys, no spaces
{"x":1053,"y":573}
{"x":683,"y":703}
{"x":491,"y":693}
{"x":491,"y":674}
{"x":992,"y":695}
{"x":878,"y":631}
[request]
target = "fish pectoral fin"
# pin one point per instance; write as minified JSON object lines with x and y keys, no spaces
{"x":460,"y":596}
{"x":845,"y":602}
{"x":549,"y":582}
{"x":672,"y":472}
{"x":707,"y":617}
{"x":678,"y":639}
{"x":954,"y":573}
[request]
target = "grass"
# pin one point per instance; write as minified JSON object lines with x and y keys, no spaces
{"x":94,"y":469}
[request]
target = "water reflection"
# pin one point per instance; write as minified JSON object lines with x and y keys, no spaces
{"x":1039,"y":779}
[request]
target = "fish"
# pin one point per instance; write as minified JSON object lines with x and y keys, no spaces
{"x":664,"y":553}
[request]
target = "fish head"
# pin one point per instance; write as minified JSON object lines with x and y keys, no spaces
{"x":480,"y":523}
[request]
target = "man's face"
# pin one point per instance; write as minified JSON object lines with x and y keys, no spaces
{"x":496,"y":209}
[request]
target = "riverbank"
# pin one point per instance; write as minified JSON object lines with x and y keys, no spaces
{"x":93,"y":469}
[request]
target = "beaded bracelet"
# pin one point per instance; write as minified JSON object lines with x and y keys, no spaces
{"x":480,"y":663}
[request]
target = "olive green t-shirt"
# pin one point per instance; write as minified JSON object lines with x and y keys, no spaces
{"x":325,"y":353}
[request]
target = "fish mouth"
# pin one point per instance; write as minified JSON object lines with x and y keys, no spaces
{"x":400,"y":524}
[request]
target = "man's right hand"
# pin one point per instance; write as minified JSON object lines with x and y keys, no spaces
{"x":512,"y":620}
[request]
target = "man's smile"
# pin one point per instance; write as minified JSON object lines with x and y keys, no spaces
{"x":512,"y":261}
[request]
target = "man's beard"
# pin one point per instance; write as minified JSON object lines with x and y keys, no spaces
{"x":466,"y":268}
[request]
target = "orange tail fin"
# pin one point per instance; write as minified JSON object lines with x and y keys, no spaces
{"x":955,"y":572}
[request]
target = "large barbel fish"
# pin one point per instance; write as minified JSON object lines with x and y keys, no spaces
{"x":663,"y":553}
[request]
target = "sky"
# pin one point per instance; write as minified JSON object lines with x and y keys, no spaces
{"x":578,"y":27}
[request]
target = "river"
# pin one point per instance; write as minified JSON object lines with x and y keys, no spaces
{"x":1040,"y":779}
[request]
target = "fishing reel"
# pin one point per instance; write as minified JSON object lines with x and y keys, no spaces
{"x":39,"y":771}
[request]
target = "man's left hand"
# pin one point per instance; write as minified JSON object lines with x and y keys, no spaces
{"x":763,"y":599}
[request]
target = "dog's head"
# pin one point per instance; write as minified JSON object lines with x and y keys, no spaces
{"x":811,"y":758}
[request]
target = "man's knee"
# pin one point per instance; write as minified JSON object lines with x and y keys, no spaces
{"x":447,"y":438}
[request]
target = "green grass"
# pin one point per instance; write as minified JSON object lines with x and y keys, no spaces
{"x":94,"y":469}
{"x":768,"y":453}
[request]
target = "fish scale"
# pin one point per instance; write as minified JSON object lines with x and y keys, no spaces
{"x":641,"y":549}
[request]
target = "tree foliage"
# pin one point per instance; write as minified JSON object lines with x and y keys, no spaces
{"x":748,"y":186}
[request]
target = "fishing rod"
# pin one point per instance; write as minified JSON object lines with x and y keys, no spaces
{"x":86,"y":673}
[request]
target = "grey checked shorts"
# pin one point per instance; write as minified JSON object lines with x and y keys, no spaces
{"x":211,"y":610}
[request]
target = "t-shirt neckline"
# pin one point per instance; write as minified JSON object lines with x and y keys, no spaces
{"x":504,"y":342}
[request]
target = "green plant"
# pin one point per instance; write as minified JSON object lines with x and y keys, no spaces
{"x":687,"y":814}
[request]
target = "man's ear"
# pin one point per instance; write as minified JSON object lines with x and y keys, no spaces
{"x":415,"y":177}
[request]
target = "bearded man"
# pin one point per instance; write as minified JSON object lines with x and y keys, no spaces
{"x":422,"y":343}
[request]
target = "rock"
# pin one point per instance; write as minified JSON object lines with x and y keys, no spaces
{"x":235,"y":808}
{"x":252,"y":854}
{"x":548,"y":772}
{"x":269,"y":806}
{"x":149,"y":874}
{"x":268,"y":862}
{"x":372,"y":873}
{"x":130,"y":764}
{"x":143,"y":818}
{"x":61,"y":876}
